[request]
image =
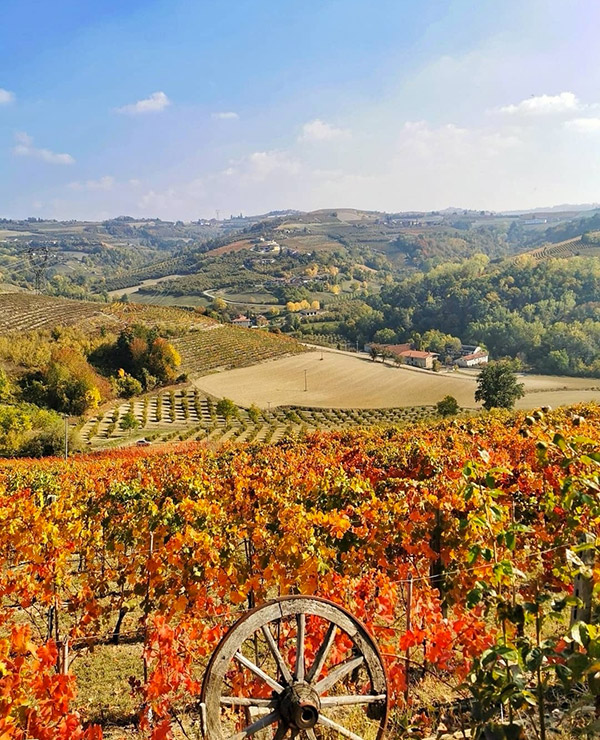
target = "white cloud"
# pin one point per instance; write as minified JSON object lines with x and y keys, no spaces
{"x":319,"y":130}
{"x":584,"y":125}
{"x":103,"y":183}
{"x":225,"y":116}
{"x":260,"y":166}
{"x":544,"y":105}
{"x":24,"y":148}
{"x":6,"y":96}
{"x":156,"y":102}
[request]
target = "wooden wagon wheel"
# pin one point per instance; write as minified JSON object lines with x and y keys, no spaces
{"x":296,"y":667}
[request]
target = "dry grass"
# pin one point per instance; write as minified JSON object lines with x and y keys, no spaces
{"x":347,"y":381}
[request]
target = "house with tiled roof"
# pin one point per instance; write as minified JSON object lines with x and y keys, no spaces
{"x":418,"y":358}
{"x":473,"y":360}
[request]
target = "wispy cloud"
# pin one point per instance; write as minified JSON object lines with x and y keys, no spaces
{"x":544,"y":105}
{"x":6,"y":96}
{"x":260,"y":166}
{"x":156,"y":102}
{"x":584,"y":125}
{"x":24,"y":148}
{"x":319,"y":130}
{"x":225,"y":116}
{"x":102,"y":183}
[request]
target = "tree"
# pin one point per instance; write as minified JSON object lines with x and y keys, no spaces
{"x":129,"y":422}
{"x":497,"y":385}
{"x":226,"y":408}
{"x":5,"y":386}
{"x":384,"y":336}
{"x":448,"y":406}
{"x":127,"y":385}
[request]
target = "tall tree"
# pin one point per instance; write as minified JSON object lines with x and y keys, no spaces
{"x":497,"y":385}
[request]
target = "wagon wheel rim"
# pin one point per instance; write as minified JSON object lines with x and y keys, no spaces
{"x":301,"y":688}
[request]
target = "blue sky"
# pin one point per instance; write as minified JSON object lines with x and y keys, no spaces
{"x":176,"y":108}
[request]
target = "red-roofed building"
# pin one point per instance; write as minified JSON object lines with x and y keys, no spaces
{"x":243,"y":321}
{"x":417,"y":358}
{"x":474,"y":359}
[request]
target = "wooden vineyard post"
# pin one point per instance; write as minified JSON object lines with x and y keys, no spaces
{"x":437,"y":567}
{"x":147,"y":607}
{"x":64,"y":660}
{"x":584,"y":585}
{"x":408,"y":628}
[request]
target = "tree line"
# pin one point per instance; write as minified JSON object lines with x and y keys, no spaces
{"x":547,"y":314}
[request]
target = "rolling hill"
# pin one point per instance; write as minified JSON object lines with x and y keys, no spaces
{"x":204,"y":344}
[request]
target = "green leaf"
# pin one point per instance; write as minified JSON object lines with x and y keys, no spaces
{"x":511,"y":540}
{"x":533,"y":659}
{"x":473,"y":554}
{"x":579,"y":632}
{"x":560,"y":441}
{"x":473,"y":597}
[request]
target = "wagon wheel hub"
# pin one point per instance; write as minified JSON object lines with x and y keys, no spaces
{"x":299,"y":706}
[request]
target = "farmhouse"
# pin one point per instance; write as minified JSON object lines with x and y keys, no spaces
{"x":243,"y":321}
{"x":417,"y":358}
{"x":474,"y":359}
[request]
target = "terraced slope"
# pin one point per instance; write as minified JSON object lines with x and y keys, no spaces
{"x":188,"y":413}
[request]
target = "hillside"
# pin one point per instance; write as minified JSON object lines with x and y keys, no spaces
{"x":454,"y":543}
{"x":205,"y":344}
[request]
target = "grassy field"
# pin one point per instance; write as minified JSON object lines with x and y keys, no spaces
{"x":348,"y":381}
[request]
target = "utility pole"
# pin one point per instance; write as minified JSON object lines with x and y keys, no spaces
{"x":39,"y":259}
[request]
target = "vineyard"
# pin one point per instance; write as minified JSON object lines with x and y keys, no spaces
{"x":22,"y":312}
{"x":228,"y":346}
{"x":182,"y":414}
{"x":148,"y":272}
{"x":466,"y":548}
{"x":204,"y":344}
{"x":564,"y":250}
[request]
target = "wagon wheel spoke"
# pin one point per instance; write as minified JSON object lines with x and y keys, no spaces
{"x":300,"y":635}
{"x":351,"y":700}
{"x":339,"y":672}
{"x":326,"y":722}
{"x":281,"y":732}
{"x":255,"y":727}
{"x":322,"y":654}
{"x":247,"y":701}
{"x":310,"y":734}
{"x":259,"y":672}
{"x":281,"y":664}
